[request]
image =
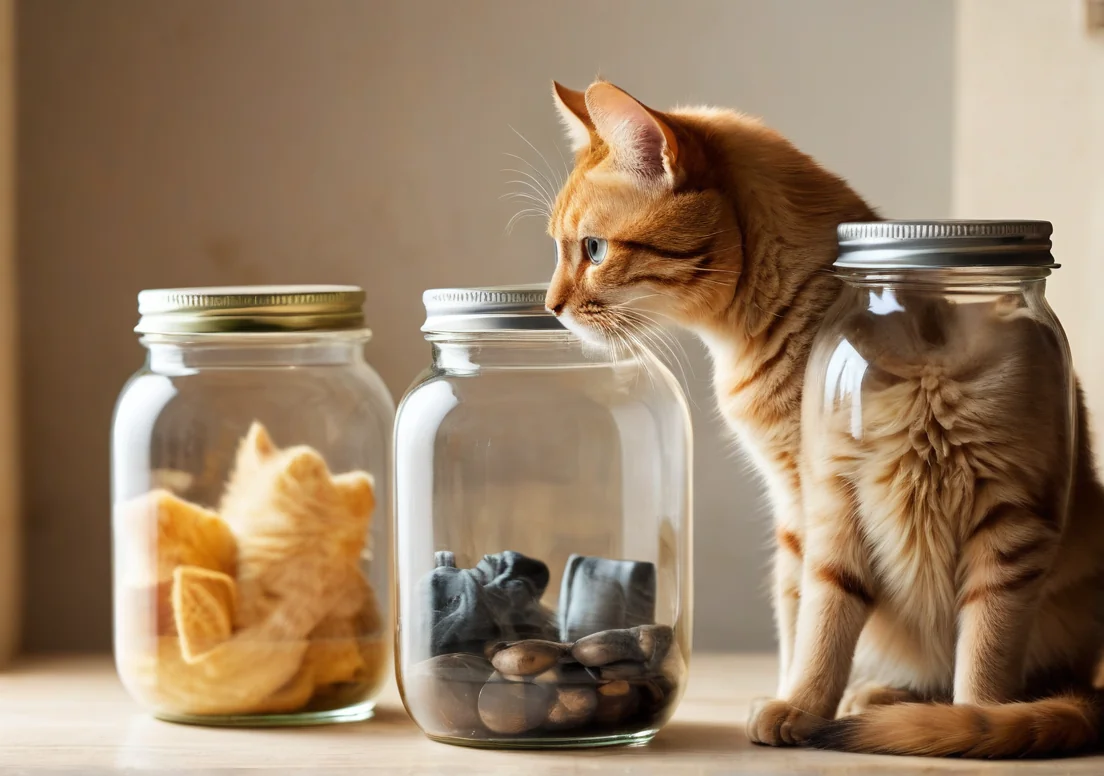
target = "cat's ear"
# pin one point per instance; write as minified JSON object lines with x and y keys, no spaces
{"x":573,"y":113}
{"x":641,"y":140}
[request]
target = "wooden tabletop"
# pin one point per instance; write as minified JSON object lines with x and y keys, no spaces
{"x":71,"y":714}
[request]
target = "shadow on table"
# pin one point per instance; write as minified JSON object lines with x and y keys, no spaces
{"x":701,"y":737}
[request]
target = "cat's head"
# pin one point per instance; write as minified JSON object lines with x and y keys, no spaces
{"x":644,"y":234}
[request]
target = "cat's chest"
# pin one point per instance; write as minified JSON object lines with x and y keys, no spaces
{"x":915,"y":493}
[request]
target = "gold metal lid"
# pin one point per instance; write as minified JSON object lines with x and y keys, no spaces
{"x":250,"y":309}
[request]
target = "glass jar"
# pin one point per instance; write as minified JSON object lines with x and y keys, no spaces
{"x":543,"y":512}
{"x":250,"y":477}
{"x":941,"y":344}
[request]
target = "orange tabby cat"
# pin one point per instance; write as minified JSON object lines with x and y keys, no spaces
{"x":711,"y":221}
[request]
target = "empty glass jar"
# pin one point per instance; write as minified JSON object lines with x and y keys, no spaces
{"x":250,"y":476}
{"x":543,"y":510}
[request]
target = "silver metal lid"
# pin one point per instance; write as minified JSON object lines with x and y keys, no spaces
{"x":250,"y":309}
{"x":944,"y":244}
{"x":491,"y":309}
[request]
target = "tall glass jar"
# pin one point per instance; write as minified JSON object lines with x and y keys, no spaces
{"x":940,"y":355}
{"x":250,"y":479}
{"x":543,"y":508}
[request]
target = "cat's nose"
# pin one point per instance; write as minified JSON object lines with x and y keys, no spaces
{"x":557,"y":308}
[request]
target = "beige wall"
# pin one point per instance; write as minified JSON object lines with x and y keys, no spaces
{"x":1029,"y":143}
{"x":197,"y":142}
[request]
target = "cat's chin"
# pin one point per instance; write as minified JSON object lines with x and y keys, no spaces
{"x":591,"y":337}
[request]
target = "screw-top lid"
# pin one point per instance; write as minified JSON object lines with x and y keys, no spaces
{"x":250,"y":309}
{"x":944,"y":244}
{"x":491,"y":309}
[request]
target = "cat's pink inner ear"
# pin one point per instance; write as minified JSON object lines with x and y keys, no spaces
{"x":640,"y":140}
{"x":572,"y":107}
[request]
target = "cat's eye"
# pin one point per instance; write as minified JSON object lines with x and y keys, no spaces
{"x":595,"y":248}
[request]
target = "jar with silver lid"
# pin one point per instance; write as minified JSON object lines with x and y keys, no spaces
{"x":250,"y":475}
{"x":543,"y":531}
{"x":937,"y":383}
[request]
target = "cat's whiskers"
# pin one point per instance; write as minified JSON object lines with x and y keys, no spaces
{"x":536,"y":192}
{"x":523,"y":195}
{"x":538,"y":184}
{"x":521,"y":215}
{"x":537,"y":176}
{"x":559,"y":184}
{"x":664,"y":341}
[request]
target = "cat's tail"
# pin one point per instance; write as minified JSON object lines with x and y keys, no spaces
{"x":1066,"y":724}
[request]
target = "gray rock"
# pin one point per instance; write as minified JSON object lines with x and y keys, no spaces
{"x":568,"y":672}
{"x":443,"y":692}
{"x":513,"y":708}
{"x":610,"y":646}
{"x":617,"y":701}
{"x":573,"y":707}
{"x":647,"y":645}
{"x":623,"y":669}
{"x":527,"y":658}
{"x":654,"y":641}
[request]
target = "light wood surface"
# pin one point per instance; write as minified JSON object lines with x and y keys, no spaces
{"x":72,"y":714}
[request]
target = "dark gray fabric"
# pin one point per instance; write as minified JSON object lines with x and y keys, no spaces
{"x":600,"y":594}
{"x":498,"y":600}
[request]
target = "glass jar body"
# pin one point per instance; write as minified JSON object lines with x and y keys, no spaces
{"x":543,"y":512}
{"x":936,"y":381}
{"x":251,"y":531}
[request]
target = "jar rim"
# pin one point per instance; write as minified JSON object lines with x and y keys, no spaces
{"x":489,"y":309}
{"x":250,"y":309}
{"x":944,"y":244}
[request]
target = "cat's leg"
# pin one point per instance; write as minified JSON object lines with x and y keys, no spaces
{"x":836,"y":599}
{"x":786,"y":592}
{"x":1002,"y":572}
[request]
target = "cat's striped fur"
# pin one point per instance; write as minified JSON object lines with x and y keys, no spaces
{"x":946,"y":559}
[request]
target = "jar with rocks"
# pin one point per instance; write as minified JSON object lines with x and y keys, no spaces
{"x":250,"y":475}
{"x":543,"y":511}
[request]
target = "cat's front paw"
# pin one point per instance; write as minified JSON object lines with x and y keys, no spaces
{"x":776,"y":723}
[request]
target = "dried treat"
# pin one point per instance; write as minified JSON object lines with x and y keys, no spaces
{"x":236,"y":677}
{"x":268,"y":618}
{"x":159,"y":532}
{"x":203,"y":603}
{"x":300,"y":534}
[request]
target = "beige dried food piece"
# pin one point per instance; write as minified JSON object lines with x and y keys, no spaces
{"x":159,"y":531}
{"x":236,"y":677}
{"x":203,"y":604}
{"x":334,"y":654}
{"x":301,"y":532}
{"x":291,"y":697}
{"x":348,"y":648}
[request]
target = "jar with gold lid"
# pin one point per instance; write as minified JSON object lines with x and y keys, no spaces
{"x":250,"y":474}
